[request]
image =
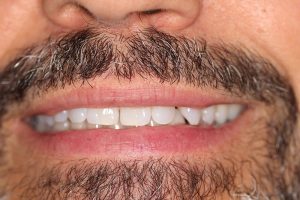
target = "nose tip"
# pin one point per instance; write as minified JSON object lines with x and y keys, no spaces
{"x":169,"y":13}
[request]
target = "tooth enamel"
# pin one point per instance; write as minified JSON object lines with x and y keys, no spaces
{"x":78,"y":115}
{"x":93,"y":116}
{"x":192,"y":115}
{"x":61,"y":126}
{"x":78,"y":126}
{"x":125,"y":117}
{"x":179,"y":119}
{"x":163,"y":115}
{"x":234,"y":110}
{"x":221,"y":114}
{"x":208,"y":115}
{"x":135,"y":116}
{"x":61,"y":116}
{"x":109,"y":116}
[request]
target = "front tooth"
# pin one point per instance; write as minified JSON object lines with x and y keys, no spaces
{"x":192,"y":115}
{"x":135,"y":116}
{"x":208,"y":115}
{"x":93,"y":116}
{"x":234,"y":110}
{"x":163,"y":115}
{"x":221,"y":114}
{"x":78,"y":115}
{"x":61,"y":116}
{"x":108,"y":116}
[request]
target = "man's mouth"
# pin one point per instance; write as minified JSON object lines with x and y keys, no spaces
{"x":127,"y":117}
{"x":163,"y":121}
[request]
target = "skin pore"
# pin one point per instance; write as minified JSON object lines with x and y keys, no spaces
{"x":248,"y":38}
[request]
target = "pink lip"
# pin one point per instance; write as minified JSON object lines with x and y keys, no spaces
{"x":135,"y":141}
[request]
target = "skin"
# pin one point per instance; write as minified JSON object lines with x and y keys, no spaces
{"x":270,"y":28}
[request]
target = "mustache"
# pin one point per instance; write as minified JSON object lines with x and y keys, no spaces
{"x":90,"y":53}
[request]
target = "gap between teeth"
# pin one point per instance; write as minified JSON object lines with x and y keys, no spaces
{"x":118,"y":118}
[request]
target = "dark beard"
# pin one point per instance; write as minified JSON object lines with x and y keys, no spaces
{"x":160,"y":178}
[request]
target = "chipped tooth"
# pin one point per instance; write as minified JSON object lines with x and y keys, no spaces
{"x":178,"y":119}
{"x":234,"y":111}
{"x":109,"y":116}
{"x":208,"y":115}
{"x":163,"y":115}
{"x":135,"y":116}
{"x":221,"y":114}
{"x":78,"y":115}
{"x":61,"y":116}
{"x":192,"y":115}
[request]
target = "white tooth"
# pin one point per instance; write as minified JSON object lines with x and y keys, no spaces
{"x":234,"y":110}
{"x":78,"y":115}
{"x":135,"y":116}
{"x":179,"y":119}
{"x":163,"y":115}
{"x":61,"y":126}
{"x":78,"y":126}
{"x":61,"y":116}
{"x":208,"y":115}
{"x":221,"y":114}
{"x":192,"y":115}
{"x":109,"y":116}
{"x":153,"y":123}
{"x":93,"y":116}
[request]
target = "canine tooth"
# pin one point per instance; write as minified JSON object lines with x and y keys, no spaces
{"x":78,"y":115}
{"x":109,"y":116}
{"x":221,"y":114}
{"x":135,"y":116}
{"x":61,"y":116}
{"x":208,"y":115}
{"x":93,"y":116}
{"x":163,"y":115}
{"x":192,"y":115}
{"x":178,"y":119}
{"x":234,"y":110}
{"x":64,"y":126}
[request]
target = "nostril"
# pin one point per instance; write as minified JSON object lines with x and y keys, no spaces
{"x":152,"y":12}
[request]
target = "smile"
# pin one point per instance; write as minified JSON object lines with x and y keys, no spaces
{"x":126,"y":117}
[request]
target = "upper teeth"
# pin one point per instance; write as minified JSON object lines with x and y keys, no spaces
{"x":82,"y":118}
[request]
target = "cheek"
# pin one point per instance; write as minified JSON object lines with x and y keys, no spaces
{"x":22,"y":24}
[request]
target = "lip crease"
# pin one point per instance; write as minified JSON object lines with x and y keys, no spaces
{"x":132,"y":141}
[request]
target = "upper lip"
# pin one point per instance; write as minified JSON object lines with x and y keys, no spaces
{"x":128,"y":94}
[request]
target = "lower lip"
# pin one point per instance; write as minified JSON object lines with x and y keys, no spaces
{"x":134,"y":142}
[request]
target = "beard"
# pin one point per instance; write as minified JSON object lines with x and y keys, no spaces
{"x":268,"y":169}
